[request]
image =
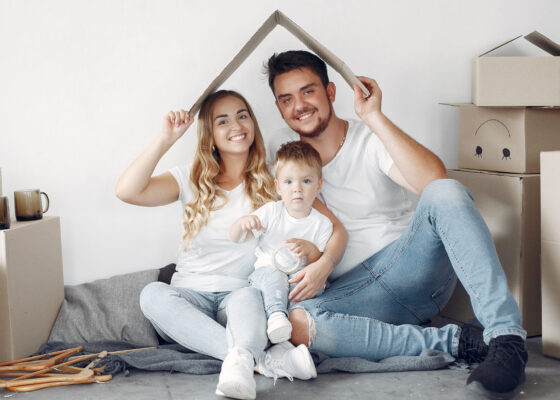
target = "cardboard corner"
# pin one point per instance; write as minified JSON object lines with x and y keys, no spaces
{"x":279,"y":18}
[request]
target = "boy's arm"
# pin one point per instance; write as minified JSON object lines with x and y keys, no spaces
{"x":242,"y":229}
{"x":312,"y":278}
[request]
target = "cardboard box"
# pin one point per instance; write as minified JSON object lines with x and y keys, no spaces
{"x":31,"y":285}
{"x":518,"y":81}
{"x":279,"y":18}
{"x":506,"y":139}
{"x":510,"y":205}
{"x":550,"y":253}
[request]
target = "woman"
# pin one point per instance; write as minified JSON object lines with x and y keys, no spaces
{"x":227,"y":179}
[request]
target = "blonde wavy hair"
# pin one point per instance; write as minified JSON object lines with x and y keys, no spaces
{"x":259,"y":184}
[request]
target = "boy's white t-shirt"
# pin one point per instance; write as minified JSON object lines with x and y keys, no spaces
{"x":357,"y":189}
{"x":214,"y":263}
{"x":280,"y":226}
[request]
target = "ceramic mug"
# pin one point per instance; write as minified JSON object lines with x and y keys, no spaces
{"x":28,"y":204}
{"x":4,"y":213}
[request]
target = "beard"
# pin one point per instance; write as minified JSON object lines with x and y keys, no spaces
{"x":320,"y":128}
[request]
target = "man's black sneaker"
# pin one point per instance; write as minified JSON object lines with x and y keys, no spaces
{"x":503,"y":369}
{"x":472,"y":348}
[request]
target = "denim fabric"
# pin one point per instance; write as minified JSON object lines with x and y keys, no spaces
{"x":206,"y":322}
{"x":411,"y":279}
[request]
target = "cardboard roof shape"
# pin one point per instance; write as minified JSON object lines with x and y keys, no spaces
{"x":537,"y":39}
{"x":278,"y":18}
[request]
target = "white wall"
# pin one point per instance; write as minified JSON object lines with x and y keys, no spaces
{"x":84,"y":85}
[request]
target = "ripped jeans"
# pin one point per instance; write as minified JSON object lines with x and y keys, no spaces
{"x":411,"y":279}
{"x":274,"y":288}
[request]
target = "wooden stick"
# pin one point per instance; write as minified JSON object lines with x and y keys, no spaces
{"x":42,"y":364}
{"x":54,"y":353}
{"x":29,"y":388}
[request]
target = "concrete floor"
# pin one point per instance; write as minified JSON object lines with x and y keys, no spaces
{"x":543,"y":382}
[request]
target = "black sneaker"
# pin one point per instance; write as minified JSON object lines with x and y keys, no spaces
{"x":503,"y":369}
{"x":472,"y":348}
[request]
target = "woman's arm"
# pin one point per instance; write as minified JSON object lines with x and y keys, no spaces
{"x":137,"y":185}
{"x":311,"y":279}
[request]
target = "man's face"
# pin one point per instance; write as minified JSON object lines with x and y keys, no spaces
{"x":303,"y":101}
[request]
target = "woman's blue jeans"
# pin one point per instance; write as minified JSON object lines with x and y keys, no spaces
{"x":207,"y":322}
{"x":411,"y":279}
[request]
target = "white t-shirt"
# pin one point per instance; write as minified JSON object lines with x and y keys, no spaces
{"x":214,"y":263}
{"x":357,"y":189}
{"x":281,"y":226}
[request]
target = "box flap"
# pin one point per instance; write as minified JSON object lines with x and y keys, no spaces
{"x":497,"y":47}
{"x":278,"y":18}
{"x":544,"y":43}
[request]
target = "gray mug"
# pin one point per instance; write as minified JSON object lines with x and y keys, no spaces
{"x":28,"y":204}
{"x":4,"y":213}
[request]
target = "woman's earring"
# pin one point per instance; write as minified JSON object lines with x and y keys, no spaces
{"x":213,"y":148}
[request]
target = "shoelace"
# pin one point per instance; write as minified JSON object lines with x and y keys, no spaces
{"x":275,"y":367}
{"x":504,"y":351}
{"x":475,"y":350}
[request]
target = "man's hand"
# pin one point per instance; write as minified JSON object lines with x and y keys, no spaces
{"x":311,"y":279}
{"x":368,"y":109}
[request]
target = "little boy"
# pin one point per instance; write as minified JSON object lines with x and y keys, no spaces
{"x":298,"y":181}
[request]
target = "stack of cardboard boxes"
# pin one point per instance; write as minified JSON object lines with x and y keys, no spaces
{"x":514,"y":117}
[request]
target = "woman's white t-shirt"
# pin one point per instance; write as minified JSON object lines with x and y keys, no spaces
{"x":214,"y":263}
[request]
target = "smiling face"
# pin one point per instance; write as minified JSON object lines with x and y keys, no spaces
{"x":298,"y":184}
{"x":304,"y":102}
{"x":233,"y":129}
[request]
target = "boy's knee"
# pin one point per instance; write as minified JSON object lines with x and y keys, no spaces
{"x":303,"y":329}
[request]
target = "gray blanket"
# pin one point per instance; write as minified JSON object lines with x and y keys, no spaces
{"x":175,"y":358}
{"x":105,"y":315}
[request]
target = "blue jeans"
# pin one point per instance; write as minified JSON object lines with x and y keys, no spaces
{"x":206,"y":322}
{"x":411,"y":279}
{"x":274,"y":288}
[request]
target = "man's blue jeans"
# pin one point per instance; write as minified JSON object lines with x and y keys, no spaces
{"x":411,"y":279}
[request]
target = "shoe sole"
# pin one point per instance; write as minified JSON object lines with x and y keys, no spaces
{"x":476,"y":387}
{"x":235,"y":391}
{"x":280,"y":335}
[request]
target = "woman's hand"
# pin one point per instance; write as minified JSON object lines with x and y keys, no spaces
{"x":175,"y":123}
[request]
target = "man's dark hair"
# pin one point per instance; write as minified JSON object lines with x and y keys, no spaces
{"x":294,"y":59}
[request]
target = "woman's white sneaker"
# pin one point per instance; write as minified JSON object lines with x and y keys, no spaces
{"x":279,"y":328}
{"x":237,"y":376}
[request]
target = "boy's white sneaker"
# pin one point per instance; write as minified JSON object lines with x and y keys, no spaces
{"x":279,"y":328}
{"x":284,"y":360}
{"x":237,"y":376}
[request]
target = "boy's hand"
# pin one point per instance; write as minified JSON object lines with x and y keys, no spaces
{"x":250,"y":222}
{"x":302,"y":247}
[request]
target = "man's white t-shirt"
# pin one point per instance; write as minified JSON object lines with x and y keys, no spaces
{"x":357,"y":189}
{"x":213,"y":263}
{"x":280,"y":226}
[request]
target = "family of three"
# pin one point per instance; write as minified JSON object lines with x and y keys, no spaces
{"x":375,"y":268}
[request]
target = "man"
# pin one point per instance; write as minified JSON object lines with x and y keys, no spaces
{"x":400,"y":265}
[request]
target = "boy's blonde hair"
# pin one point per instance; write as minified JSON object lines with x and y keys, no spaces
{"x":259,"y":184}
{"x":299,"y":152}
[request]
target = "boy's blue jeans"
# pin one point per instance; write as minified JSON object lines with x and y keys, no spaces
{"x":411,"y":279}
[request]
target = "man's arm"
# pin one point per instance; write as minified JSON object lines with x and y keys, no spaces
{"x":415,"y":167}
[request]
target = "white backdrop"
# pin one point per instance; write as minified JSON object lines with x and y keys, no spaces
{"x":84,"y":86}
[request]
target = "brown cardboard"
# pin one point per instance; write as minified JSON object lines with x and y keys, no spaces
{"x":31,"y":285}
{"x":278,"y":18}
{"x":550,"y":253}
{"x":506,"y":139}
{"x":518,"y":81}
{"x":510,"y":205}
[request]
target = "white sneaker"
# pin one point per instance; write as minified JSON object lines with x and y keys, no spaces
{"x":286,"y":361}
{"x":237,"y":376}
{"x":279,"y":328}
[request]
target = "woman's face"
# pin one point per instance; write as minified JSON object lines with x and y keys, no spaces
{"x":233,"y":129}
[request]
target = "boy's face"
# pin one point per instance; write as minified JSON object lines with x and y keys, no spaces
{"x":298,"y":184}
